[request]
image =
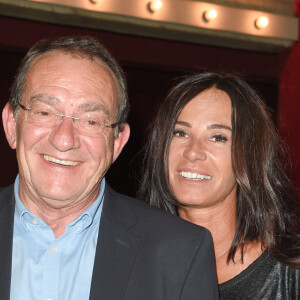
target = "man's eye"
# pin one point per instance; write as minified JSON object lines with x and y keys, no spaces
{"x":40,"y":110}
{"x":219,"y":138}
{"x":179,"y":133}
{"x":95,"y":122}
{"x":91,"y":122}
{"x":42,"y":113}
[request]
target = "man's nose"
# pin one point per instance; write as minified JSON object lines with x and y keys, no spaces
{"x":195,"y":150}
{"x":64,"y":136}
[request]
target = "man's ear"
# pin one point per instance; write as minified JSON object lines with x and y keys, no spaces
{"x":9,"y":124}
{"x":121,"y":140}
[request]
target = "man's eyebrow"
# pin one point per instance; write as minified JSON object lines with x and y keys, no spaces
{"x":85,"y":107}
{"x":218,"y":126}
{"x":45,"y":98}
{"x":89,"y":107}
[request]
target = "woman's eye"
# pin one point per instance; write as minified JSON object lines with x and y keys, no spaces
{"x":179,"y":133}
{"x":219,"y":138}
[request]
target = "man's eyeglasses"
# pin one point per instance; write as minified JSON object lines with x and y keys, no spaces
{"x":45,"y":115}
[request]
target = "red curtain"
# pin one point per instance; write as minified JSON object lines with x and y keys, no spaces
{"x":289,"y":106}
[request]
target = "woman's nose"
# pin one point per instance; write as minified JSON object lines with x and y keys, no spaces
{"x":195,"y":150}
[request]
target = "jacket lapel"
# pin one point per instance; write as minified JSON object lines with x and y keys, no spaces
{"x":7,"y":208}
{"x":116,"y":248}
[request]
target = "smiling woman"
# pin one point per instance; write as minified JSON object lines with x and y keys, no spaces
{"x":213,"y":158}
{"x":200,"y":167}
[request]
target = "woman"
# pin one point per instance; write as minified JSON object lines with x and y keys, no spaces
{"x":213,"y":159}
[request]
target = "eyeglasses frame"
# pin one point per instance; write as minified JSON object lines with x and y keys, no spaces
{"x":112,"y":125}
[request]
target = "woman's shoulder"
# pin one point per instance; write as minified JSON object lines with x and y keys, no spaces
{"x":265,"y":278}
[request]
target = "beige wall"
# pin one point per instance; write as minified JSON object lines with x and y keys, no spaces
{"x":284,"y":7}
{"x":179,"y":20}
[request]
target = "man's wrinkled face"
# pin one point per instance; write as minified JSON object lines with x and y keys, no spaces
{"x":62,"y":164}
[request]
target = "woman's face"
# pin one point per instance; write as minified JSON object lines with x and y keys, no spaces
{"x":200,"y":168}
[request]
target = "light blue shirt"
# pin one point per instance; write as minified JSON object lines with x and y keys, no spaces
{"x":44,"y":267}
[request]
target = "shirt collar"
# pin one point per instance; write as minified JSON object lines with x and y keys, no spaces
{"x":81,"y":222}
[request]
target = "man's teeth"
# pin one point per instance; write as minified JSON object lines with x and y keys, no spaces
{"x":61,"y":162}
{"x":194,"y":176}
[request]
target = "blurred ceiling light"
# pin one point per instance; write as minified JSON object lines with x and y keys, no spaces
{"x":210,"y":15}
{"x":153,"y":6}
{"x":261,"y":22}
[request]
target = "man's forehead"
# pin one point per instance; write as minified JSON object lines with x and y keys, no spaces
{"x":58,"y":58}
{"x":56,"y":54}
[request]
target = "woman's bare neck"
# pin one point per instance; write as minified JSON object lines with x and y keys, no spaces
{"x":221,"y":222}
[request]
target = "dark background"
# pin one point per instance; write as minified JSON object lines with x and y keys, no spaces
{"x":152,"y":67}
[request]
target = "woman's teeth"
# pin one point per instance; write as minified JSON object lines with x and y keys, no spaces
{"x":194,"y":176}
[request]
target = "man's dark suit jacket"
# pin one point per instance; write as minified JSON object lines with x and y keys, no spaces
{"x":142,"y":253}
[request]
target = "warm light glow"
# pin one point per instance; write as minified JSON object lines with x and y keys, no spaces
{"x":154,"y":5}
{"x":261,"y":22}
{"x":210,"y":15}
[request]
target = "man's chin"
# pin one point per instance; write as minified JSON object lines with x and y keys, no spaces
{"x":57,"y":196}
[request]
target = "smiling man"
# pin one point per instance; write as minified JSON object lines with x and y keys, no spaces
{"x":65,"y":233}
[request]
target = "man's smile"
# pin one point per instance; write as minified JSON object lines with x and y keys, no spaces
{"x":60,"y":162}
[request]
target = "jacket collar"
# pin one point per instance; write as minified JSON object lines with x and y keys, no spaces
{"x":116,"y":248}
{"x":115,"y":253}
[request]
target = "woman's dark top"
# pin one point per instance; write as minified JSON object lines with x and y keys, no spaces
{"x":265,"y":278}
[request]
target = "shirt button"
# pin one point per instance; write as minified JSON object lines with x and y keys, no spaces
{"x":53,"y":249}
{"x":48,"y":299}
{"x":34,"y":221}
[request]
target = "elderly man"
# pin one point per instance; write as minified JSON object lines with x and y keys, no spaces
{"x":65,"y":234}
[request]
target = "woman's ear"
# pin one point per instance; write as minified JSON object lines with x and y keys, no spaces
{"x":9,"y":124}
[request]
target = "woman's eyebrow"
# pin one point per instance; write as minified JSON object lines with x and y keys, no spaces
{"x":218,"y":126}
{"x":209,"y":126}
{"x":184,"y":123}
